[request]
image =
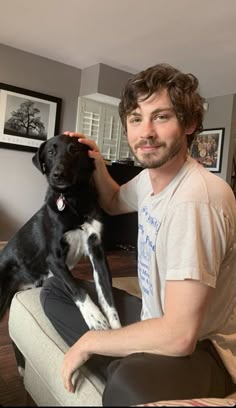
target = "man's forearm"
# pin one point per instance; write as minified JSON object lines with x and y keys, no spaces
{"x":173,"y":334}
{"x":145,"y":336}
{"x":159,"y":338}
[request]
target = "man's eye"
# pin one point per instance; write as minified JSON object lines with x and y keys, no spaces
{"x":161,"y":118}
{"x":135,"y":120}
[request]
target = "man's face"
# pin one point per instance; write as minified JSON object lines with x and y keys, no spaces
{"x":154,"y":133}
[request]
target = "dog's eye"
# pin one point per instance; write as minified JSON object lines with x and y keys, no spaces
{"x":51,"y":152}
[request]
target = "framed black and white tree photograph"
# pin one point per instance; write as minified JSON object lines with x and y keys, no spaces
{"x":27,"y":118}
{"x":207,"y":149}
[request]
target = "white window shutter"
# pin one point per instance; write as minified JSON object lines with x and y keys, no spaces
{"x":124,"y":147}
{"x":101,"y":122}
{"x":88,"y":119}
{"x":110,"y":132}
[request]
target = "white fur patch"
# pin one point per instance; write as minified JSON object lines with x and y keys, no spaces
{"x":92,"y":314}
{"x":95,"y":227}
{"x":21,"y":371}
{"x":76,"y":247}
{"x":109,"y":311}
{"x":77,"y":240}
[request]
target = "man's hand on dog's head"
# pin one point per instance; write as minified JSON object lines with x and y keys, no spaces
{"x":74,"y":134}
{"x":94,"y":152}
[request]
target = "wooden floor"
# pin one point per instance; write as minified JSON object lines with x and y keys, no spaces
{"x":12,"y":391}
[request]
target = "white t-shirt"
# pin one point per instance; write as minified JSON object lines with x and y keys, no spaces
{"x":188,"y":231}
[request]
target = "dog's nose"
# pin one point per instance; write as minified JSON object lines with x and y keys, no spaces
{"x":58,"y":174}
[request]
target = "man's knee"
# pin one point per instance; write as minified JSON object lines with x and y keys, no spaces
{"x":123,"y":384}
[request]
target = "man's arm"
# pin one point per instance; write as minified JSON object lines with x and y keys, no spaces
{"x":173,"y":334}
{"x":108,"y":189}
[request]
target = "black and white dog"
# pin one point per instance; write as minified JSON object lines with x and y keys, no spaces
{"x":65,"y":228}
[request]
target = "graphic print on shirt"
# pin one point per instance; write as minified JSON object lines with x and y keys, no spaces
{"x":146,"y":248}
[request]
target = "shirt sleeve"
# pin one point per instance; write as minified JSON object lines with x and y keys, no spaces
{"x":194,"y":242}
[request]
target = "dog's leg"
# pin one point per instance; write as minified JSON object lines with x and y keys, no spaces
{"x":8,"y":285}
{"x":90,"y":312}
{"x":101,"y":273}
{"x":20,"y":360}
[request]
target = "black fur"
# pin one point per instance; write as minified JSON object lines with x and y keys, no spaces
{"x":42,"y":244}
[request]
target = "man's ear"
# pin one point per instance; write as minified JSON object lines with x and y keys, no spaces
{"x":191,"y":129}
{"x":37,"y":159}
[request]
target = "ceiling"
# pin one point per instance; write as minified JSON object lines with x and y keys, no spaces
{"x":197,"y":36}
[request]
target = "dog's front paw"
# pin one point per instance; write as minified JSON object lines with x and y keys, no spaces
{"x":113,"y":319}
{"x":95,"y":320}
{"x":92,"y":315}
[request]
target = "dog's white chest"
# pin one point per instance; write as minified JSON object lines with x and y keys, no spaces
{"x":78,"y":241}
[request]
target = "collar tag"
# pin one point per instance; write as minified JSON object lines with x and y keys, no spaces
{"x":61,"y":203}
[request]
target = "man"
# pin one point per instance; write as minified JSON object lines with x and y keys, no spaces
{"x":184,"y":346}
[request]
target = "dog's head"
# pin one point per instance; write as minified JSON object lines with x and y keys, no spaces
{"x":64,"y":161}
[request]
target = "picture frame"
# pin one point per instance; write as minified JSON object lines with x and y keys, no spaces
{"x":207,"y":148}
{"x":27,"y":118}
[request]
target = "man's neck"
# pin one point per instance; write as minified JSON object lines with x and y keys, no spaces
{"x":162,"y":176}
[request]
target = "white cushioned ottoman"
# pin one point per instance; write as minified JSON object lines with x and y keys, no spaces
{"x":44,"y":350}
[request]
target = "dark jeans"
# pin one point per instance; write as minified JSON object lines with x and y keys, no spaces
{"x":139,"y":377}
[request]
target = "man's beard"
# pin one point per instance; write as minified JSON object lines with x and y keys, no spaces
{"x":149,"y":160}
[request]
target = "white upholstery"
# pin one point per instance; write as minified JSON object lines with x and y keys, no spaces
{"x":44,"y":349}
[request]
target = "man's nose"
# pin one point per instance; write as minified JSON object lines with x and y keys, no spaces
{"x":147,"y":130}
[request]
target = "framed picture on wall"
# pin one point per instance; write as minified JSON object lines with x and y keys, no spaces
{"x":207,"y":148}
{"x":27,"y":118}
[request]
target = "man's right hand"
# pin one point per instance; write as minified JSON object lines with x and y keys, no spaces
{"x":94,"y":152}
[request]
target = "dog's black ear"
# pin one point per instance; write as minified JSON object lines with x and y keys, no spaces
{"x":37,"y":159}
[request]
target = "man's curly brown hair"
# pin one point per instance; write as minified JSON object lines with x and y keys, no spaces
{"x":182,"y":90}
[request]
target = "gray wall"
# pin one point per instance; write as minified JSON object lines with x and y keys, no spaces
{"x":104,"y":80}
{"x":233,"y":131}
{"x":220,"y":115}
{"x":112,"y":80}
{"x":89,"y":80}
{"x":22,"y":187}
